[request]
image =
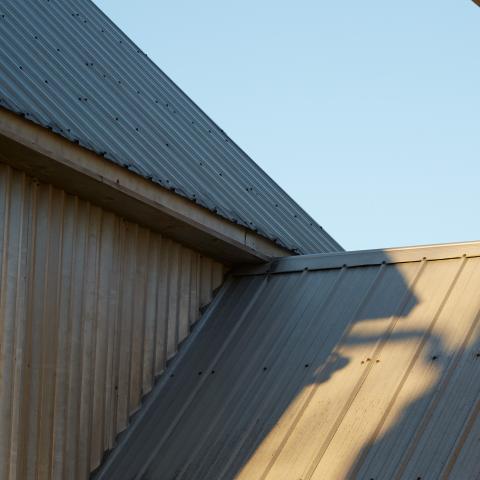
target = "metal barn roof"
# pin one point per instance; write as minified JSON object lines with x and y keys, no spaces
{"x":359,"y":365}
{"x":67,"y":67}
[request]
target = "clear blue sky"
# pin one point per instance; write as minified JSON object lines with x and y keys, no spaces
{"x":366,"y":113}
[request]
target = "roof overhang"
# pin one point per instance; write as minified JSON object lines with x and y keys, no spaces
{"x":53,"y":159}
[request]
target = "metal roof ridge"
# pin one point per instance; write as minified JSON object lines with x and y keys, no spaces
{"x":363,"y":258}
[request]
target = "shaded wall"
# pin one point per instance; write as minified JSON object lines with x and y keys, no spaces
{"x":91,"y":308}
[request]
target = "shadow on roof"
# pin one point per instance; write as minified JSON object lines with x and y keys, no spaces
{"x":342,"y":372}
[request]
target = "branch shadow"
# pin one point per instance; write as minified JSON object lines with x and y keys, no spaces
{"x":296,"y":357}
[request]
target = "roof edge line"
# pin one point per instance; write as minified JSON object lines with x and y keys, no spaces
{"x":113,"y":187}
{"x":363,"y":258}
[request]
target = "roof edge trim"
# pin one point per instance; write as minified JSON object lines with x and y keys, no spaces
{"x":362,"y":258}
{"x":54,"y":159}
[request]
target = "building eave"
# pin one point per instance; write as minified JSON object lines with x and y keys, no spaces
{"x":53,"y":159}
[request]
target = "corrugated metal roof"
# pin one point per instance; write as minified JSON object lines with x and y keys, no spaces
{"x":363,"y":365}
{"x":67,"y":67}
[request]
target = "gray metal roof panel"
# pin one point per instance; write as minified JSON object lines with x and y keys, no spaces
{"x":67,"y":67}
{"x":360,"y":371}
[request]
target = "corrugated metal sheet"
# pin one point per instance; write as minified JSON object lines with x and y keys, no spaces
{"x":91,"y":308}
{"x":67,"y":67}
{"x":352,"y":366}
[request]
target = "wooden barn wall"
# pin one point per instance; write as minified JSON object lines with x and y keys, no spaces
{"x":91,"y":308}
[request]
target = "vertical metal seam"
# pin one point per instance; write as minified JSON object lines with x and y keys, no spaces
{"x":393,"y":321}
{"x":202,"y":380}
{"x":369,"y":442}
{"x":158,"y":388}
{"x":51,"y":270}
{"x":166,"y":280}
{"x":61,"y":209}
{"x":4,"y":269}
{"x":407,"y":455}
{"x":157,"y":245}
{"x":17,"y":363}
{"x":69,"y":339}
{"x":82,"y":341}
{"x":307,"y":401}
{"x":325,"y":303}
{"x":44,"y":351}
{"x":461,"y":439}
{"x":235,"y":389}
{"x":95,"y":333}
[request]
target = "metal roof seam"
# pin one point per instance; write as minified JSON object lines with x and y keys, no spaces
{"x":332,"y":374}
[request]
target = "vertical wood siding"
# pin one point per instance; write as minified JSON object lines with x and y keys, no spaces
{"x":91,"y":308}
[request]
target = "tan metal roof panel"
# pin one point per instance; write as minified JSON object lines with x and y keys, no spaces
{"x":367,"y":371}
